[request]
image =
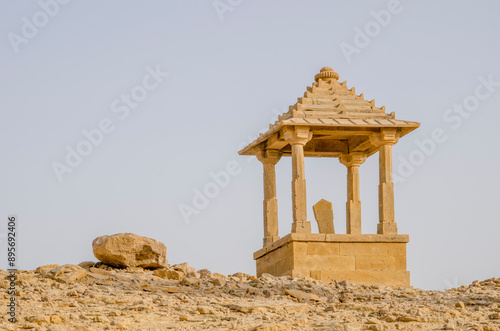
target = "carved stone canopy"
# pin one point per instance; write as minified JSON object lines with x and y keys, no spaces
{"x":332,"y":121}
{"x":339,"y":121}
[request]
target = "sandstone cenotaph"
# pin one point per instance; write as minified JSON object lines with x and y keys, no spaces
{"x":331,"y":120}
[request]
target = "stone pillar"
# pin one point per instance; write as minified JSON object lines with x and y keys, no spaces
{"x":297,"y":137}
{"x":385,"y":140}
{"x":269,"y":158}
{"x":353,"y":207}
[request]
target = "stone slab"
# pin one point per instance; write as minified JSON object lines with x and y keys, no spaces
{"x":323,"y":213}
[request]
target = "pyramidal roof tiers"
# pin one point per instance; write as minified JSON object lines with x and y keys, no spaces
{"x":327,"y":94}
{"x":329,"y":105}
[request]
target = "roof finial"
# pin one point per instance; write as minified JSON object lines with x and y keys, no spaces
{"x":325,"y":73}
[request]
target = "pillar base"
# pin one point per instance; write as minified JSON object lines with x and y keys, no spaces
{"x":353,"y":213}
{"x":301,"y":227}
{"x":269,"y":240}
{"x":367,"y":259}
{"x":387,"y":228}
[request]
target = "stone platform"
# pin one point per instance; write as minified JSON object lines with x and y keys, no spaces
{"x":365,"y":259}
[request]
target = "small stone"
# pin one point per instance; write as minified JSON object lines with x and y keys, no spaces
{"x":99,"y":271}
{"x":162,"y":273}
{"x":97,"y":276}
{"x":297,"y":309}
{"x":169,"y":274}
{"x":68,"y":273}
{"x":190,"y":281}
{"x":38,"y":319}
{"x":101,"y":319}
{"x":218,"y":281}
{"x":86,"y":264}
{"x":407,"y":318}
{"x":39,"y":270}
{"x":448,"y":326}
{"x":184,"y":267}
{"x":121,"y":324}
{"x":372,"y":320}
{"x":205,"y":310}
{"x":301,"y":295}
{"x":55,"y":319}
{"x":244,"y":307}
{"x":204,"y":273}
{"x":170,"y":289}
{"x":345,"y":283}
{"x":240,"y":275}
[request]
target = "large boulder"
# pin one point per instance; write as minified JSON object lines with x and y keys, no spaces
{"x":130,"y":250}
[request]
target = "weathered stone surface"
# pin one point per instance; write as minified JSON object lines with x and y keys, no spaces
{"x":363,"y":259}
{"x":136,"y":299}
{"x":86,"y":264}
{"x":99,"y":271}
{"x":130,"y":250}
{"x":323,"y":213}
{"x":169,"y":273}
{"x":184,"y":267}
{"x":241,"y":275}
{"x":46,"y":267}
{"x":218,"y":281}
{"x":205,"y":310}
{"x":190,"y":281}
{"x":204,"y":273}
{"x":301,"y":295}
{"x":170,"y":289}
{"x":68,"y":273}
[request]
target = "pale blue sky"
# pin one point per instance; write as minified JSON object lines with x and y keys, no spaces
{"x":226,"y":80}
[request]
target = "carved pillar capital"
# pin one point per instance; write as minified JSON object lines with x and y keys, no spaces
{"x":353,"y":159}
{"x":388,"y":136}
{"x":298,"y":135}
{"x":269,"y":156}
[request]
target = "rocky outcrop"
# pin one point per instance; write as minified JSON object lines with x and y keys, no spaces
{"x":68,"y":273}
{"x":100,"y":297}
{"x":124,"y":250}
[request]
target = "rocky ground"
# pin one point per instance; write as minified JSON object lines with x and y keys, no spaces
{"x":98,"y":297}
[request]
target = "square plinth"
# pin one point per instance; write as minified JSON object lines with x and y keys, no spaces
{"x":367,"y":259}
